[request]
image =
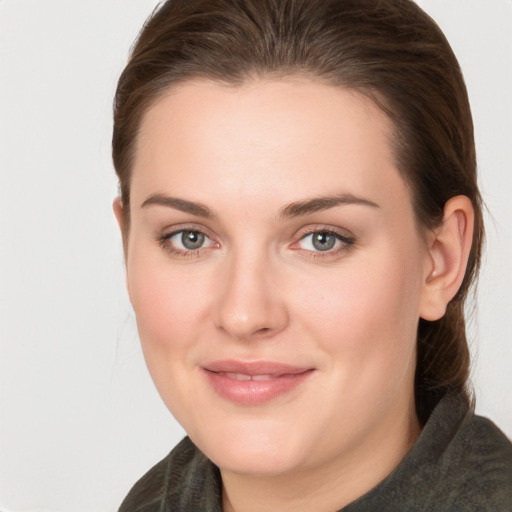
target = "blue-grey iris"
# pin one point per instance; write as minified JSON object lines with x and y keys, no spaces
{"x":192,"y":239}
{"x":323,"y":241}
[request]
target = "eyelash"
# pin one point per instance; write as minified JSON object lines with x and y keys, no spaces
{"x":347,"y":242}
{"x":164,"y":241}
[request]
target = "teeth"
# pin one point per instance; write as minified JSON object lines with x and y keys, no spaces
{"x":242,"y":376}
{"x":237,"y":376}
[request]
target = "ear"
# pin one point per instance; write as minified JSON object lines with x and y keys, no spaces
{"x":449,"y":246}
{"x":117,"y":206}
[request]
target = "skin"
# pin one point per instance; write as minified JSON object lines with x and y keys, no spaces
{"x":259,"y":290}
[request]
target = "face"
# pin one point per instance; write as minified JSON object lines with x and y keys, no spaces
{"x":276,"y":271}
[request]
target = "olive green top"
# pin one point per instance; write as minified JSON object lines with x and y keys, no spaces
{"x":460,"y":463}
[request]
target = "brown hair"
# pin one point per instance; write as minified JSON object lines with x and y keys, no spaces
{"x":387,"y":49}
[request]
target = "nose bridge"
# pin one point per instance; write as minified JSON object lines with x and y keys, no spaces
{"x":249,"y":304}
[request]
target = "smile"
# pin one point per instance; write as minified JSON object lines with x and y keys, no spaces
{"x":242,"y":376}
{"x":253,"y":383}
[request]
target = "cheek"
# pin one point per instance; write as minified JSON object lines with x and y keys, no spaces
{"x":169,"y":305}
{"x":366,"y":313}
{"x":364,"y":322}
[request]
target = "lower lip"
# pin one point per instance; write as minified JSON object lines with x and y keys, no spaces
{"x":254,"y":392}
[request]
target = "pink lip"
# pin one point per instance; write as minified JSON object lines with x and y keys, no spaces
{"x":253,"y":383}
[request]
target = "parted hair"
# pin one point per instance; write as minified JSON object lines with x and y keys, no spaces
{"x":389,"y":50}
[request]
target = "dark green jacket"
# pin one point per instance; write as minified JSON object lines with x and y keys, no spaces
{"x":460,"y":463}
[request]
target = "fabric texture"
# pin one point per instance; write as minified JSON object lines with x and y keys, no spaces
{"x":460,"y":463}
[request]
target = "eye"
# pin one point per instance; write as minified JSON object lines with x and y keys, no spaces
{"x":324,"y":241}
{"x":186,"y":241}
{"x":189,"y":240}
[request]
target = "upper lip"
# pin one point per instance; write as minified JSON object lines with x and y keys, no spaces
{"x":254,"y":367}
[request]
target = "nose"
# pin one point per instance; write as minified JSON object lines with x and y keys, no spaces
{"x":249,"y":302}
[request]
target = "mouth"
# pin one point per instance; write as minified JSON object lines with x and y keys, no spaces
{"x":253,"y":383}
{"x":243,"y":376}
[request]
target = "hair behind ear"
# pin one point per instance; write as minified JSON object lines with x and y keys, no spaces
{"x":443,"y":358}
{"x":442,"y":367}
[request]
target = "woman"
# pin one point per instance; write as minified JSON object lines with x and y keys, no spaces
{"x":302,"y":224}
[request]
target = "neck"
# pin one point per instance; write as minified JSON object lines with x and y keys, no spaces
{"x":328,"y":487}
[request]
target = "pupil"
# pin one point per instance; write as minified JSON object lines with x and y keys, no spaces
{"x":192,"y":239}
{"x":323,"y":241}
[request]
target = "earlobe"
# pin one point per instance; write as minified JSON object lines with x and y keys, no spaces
{"x":449,"y":246}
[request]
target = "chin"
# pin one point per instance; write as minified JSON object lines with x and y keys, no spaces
{"x":263,"y":450}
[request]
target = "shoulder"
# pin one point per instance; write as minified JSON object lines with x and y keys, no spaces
{"x":481,"y":457}
{"x":183,"y":481}
{"x":486,"y":441}
{"x":471,"y":468}
{"x":461,"y":463}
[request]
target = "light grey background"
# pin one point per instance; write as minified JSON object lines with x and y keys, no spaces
{"x":80,"y":420}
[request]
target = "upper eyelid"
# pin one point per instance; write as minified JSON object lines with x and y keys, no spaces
{"x":320,"y":228}
{"x":337,"y":234}
{"x":177,"y":228}
{"x":325,"y":230}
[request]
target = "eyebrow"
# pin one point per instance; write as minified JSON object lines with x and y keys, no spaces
{"x":318,"y":204}
{"x":295,"y":209}
{"x":183,"y":205}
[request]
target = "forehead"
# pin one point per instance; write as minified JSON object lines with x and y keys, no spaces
{"x":291,"y":135}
